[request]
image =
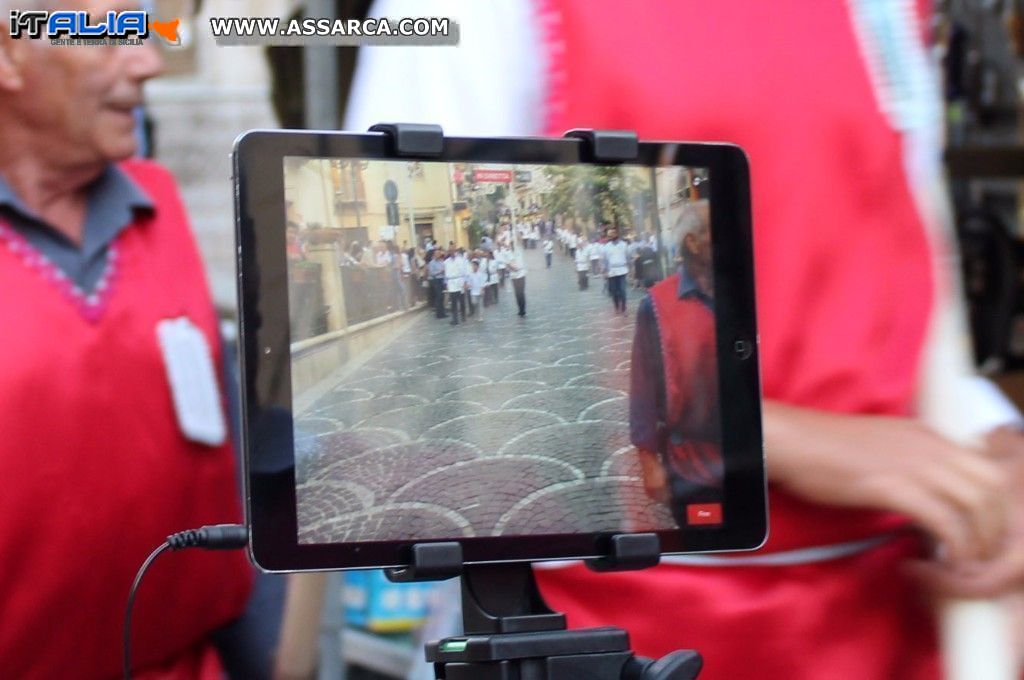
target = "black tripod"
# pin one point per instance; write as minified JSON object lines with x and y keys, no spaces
{"x":511,"y":634}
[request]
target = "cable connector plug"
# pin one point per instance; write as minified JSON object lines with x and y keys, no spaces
{"x":211,"y":537}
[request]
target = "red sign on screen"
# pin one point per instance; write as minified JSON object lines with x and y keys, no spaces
{"x":496,"y":176}
{"x":704,"y":513}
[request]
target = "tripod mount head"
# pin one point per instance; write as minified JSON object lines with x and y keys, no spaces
{"x":510,"y":633}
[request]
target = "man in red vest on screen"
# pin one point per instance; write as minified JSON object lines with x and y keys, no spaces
{"x":673,"y":397}
{"x":104,"y":297}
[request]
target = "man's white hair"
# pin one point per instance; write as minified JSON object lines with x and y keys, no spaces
{"x":692,"y":217}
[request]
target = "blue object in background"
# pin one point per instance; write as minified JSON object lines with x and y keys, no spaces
{"x":374,"y":603}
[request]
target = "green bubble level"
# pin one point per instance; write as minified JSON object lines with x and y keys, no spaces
{"x":454,"y":645}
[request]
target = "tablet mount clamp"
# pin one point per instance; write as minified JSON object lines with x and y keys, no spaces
{"x":509,"y":632}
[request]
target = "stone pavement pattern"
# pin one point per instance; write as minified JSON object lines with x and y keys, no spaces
{"x":499,"y":427}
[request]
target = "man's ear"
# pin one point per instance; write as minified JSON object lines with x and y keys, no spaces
{"x":12,"y":60}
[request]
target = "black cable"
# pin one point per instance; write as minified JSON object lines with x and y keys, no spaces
{"x":131,"y":602}
{"x":210,"y":537}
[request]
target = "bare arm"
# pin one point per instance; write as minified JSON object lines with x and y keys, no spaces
{"x":956,"y":494}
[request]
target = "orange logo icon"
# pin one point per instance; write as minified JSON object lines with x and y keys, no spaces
{"x":168,"y":30}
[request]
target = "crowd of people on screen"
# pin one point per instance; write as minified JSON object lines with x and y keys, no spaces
{"x":458,"y":283}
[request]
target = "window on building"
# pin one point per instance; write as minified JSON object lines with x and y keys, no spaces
{"x":347,"y":178}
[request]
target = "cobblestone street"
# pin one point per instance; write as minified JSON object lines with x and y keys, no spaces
{"x":503,"y":426}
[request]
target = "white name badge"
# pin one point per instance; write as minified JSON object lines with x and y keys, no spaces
{"x":193,"y":380}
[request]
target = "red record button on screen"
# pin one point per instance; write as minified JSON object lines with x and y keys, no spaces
{"x":704,"y":513}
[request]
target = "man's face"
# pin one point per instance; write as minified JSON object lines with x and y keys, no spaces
{"x":613,"y":234}
{"x":83,"y":98}
{"x":698,"y":242}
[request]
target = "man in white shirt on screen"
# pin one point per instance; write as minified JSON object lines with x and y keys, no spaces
{"x":582,"y":259}
{"x":492,"y":278}
{"x":464,"y":262}
{"x":454,"y":280}
{"x":594,"y":253}
{"x":616,"y":266}
{"x":518,"y":275}
{"x":503,"y":256}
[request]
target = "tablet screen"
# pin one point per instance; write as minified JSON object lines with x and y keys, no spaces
{"x":485,"y":349}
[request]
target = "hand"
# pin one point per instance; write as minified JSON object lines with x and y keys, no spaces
{"x":654,"y":475}
{"x":957,"y":494}
{"x":1004,"y":572}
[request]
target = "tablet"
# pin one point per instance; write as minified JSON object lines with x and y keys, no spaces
{"x":500,"y":345}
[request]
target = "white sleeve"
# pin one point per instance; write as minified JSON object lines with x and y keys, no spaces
{"x":491,"y":84}
{"x":986,"y":406}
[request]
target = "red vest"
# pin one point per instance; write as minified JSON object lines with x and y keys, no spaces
{"x":96,"y":471}
{"x":686,"y":330}
{"x":844,"y":292}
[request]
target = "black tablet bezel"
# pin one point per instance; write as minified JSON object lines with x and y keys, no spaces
{"x":267,"y":433}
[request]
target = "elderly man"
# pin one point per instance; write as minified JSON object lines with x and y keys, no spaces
{"x":673,"y":404}
{"x":104,"y":297}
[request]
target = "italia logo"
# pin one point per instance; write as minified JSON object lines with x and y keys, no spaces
{"x":129,"y":27}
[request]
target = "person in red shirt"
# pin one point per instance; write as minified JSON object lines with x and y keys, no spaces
{"x":100,"y":278}
{"x":835,"y":105}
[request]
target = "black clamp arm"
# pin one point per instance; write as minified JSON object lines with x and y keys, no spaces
{"x":600,"y":146}
{"x":628,"y":552}
{"x":429,"y":562}
{"x":413,"y":139}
